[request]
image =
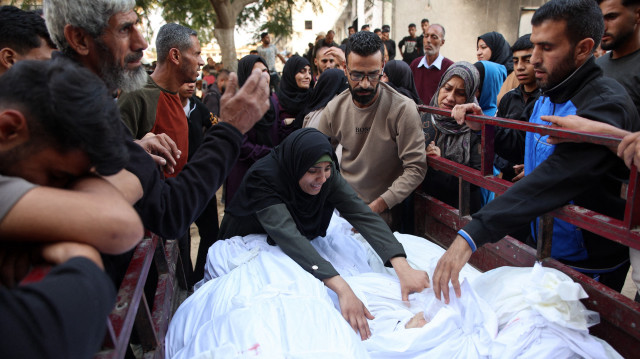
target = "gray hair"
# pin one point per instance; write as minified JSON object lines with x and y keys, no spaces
{"x":173,"y":36}
{"x":91,"y":15}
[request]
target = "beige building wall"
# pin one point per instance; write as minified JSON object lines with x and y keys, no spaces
{"x":320,"y":23}
{"x":463,"y":20}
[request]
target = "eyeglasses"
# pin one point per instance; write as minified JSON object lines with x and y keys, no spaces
{"x":359,"y":76}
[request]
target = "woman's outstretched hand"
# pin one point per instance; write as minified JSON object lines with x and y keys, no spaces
{"x":352,"y":308}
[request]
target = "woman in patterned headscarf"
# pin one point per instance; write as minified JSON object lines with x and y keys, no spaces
{"x":446,"y":138}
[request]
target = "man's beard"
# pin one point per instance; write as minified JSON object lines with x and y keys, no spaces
{"x":118,"y":77}
{"x":617,"y":41}
{"x":363,"y":99}
{"x":565,"y":68}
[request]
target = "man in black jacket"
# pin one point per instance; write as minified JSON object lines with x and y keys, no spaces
{"x":565,"y":33}
{"x":109,"y":43}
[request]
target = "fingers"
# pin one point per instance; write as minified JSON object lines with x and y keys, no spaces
{"x":459,"y":111}
{"x":456,"y":283}
{"x":518,"y":177}
{"x":441,"y":281}
{"x":252,"y":83}
{"x":555,"y":120}
{"x":170,"y":147}
{"x":368,"y":314}
{"x":629,"y":149}
{"x":232,"y":86}
{"x":449,"y":266}
{"x":405,"y":294}
{"x":362,"y":324}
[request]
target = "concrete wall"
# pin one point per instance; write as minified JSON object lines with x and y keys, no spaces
{"x":322,"y":22}
{"x":463,"y":20}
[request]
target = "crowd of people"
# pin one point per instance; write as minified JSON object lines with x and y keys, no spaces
{"x":339,"y":128}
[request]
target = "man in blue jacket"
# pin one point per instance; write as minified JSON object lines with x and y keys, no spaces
{"x":565,"y":33}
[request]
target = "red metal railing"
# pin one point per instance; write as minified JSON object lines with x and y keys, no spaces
{"x":132,"y":310}
{"x":620,"y":317}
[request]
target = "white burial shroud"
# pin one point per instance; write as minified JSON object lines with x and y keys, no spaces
{"x":257,"y":302}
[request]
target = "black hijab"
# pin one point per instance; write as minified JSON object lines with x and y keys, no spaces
{"x":262,"y":127}
{"x":274,"y":178}
{"x":293,"y":98}
{"x":401,"y":79}
{"x":500,"y":49}
{"x":330,"y":83}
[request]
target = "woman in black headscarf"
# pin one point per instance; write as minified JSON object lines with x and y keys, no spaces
{"x":493,"y":47}
{"x":446,"y":138}
{"x":399,"y":75}
{"x":295,"y":87}
{"x":290,"y":195}
{"x":258,"y":141}
{"x":331,"y":83}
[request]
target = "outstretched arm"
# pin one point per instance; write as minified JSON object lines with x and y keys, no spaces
{"x":449,"y":267}
{"x":278,"y":223}
{"x":378,"y":234}
{"x":352,"y":308}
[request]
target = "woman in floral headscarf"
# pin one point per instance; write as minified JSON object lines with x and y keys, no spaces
{"x":446,"y":138}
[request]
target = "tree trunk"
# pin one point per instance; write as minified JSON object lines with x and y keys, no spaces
{"x":226,"y":41}
{"x":226,"y":14}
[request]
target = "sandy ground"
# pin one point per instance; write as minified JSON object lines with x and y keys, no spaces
{"x":628,"y":290}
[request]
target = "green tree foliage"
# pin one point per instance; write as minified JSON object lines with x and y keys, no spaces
{"x":218,"y":18}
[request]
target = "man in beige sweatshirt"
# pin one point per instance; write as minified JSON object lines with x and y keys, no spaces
{"x":383,"y":156}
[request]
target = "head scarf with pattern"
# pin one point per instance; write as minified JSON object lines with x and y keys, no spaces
{"x":454,"y":143}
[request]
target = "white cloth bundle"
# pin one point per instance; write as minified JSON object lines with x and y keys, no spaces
{"x":463,"y":329}
{"x":267,"y":307}
{"x":255,"y":301}
{"x":540,"y":314}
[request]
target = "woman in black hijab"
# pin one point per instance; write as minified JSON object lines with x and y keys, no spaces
{"x":290,"y":195}
{"x":398,"y":75}
{"x":258,"y":141}
{"x":295,"y":87}
{"x":331,"y":83}
{"x":493,"y":47}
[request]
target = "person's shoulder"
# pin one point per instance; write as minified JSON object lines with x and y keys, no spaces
{"x":397,"y":99}
{"x":604,"y":59}
{"x":447,"y":62}
{"x":414,"y":64}
{"x":150,"y":88}
{"x":511,"y":93}
{"x":339,"y":100}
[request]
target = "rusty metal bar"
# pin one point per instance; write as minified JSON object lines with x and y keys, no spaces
{"x":144,"y":326}
{"x":464,"y":197}
{"x":575,"y":136}
{"x":602,"y":225}
{"x":545,"y":237}
{"x":488,"y":137}
{"x":129,"y":297}
{"x":632,"y":209}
